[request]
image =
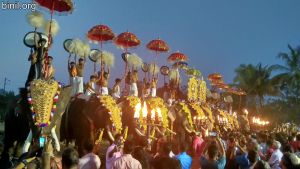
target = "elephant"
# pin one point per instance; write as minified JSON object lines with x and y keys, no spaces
{"x":18,"y":121}
{"x":17,"y":124}
{"x":84,"y":117}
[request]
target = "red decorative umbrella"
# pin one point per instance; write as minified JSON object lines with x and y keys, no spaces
{"x":127,"y":40}
{"x":177,"y":57}
{"x":158,"y":45}
{"x":60,"y":6}
{"x":100,"y":33}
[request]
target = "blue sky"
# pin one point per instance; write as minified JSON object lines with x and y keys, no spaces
{"x":216,"y":35}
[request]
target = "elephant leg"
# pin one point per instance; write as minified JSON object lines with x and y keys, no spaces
{"x":56,"y":141}
{"x":27,"y":142}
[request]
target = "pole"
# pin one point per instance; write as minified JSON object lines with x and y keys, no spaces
{"x":5,"y":83}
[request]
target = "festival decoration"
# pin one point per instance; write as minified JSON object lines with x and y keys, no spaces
{"x":177,"y":57}
{"x":134,"y":61}
{"x":51,"y":27}
{"x":164,"y":70}
{"x":180,"y":65}
{"x":188,"y":115}
{"x":127,"y":40}
{"x":192,"y":93}
{"x":154,"y":68}
{"x":209,"y":113}
{"x":30,"y":38}
{"x":107,"y":58}
{"x":35,"y":19}
{"x":102,"y":34}
{"x":192,"y":72}
{"x":60,"y":6}
{"x":156,"y":104}
{"x":158,"y":45}
{"x":42,"y":97}
{"x":110,"y":104}
{"x":95,"y":55}
{"x":202,"y":91}
{"x":214,"y":77}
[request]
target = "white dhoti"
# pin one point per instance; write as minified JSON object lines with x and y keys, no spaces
{"x":89,"y":92}
{"x":73,"y":83}
{"x":134,"y":90}
{"x":80,"y":84}
{"x":104,"y":91}
{"x":117,"y":94}
{"x":153,"y":92}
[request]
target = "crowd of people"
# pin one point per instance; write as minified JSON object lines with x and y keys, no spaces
{"x":227,"y":150}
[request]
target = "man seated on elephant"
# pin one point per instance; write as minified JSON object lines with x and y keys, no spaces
{"x":116,"y":90}
{"x":91,"y":86}
{"x":48,"y":70}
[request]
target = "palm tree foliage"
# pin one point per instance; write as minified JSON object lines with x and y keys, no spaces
{"x":256,"y":81}
{"x":289,"y":78}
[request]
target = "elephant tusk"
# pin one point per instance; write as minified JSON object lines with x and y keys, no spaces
{"x":186,"y":129}
{"x":110,"y":135}
{"x":160,"y":132}
{"x":139,"y":132}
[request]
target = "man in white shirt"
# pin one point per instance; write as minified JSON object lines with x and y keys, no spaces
{"x":276,"y":156}
{"x":114,"y":151}
{"x":89,"y":160}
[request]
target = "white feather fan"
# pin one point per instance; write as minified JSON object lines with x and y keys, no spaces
{"x":54,"y":27}
{"x":35,"y":19}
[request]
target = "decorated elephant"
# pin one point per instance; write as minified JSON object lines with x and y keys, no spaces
{"x":19,"y":122}
{"x":145,"y":118}
{"x":84,"y":118}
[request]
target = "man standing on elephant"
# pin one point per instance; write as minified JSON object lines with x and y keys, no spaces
{"x":80,"y":72}
{"x":73,"y":76}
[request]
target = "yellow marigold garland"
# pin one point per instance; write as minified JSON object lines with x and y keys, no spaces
{"x":198,"y":109}
{"x":192,"y":89}
{"x":209,"y":112}
{"x":133,"y":101}
{"x":202,"y":91}
{"x":186,"y":110}
{"x":157,"y":102}
{"x":115,"y":116}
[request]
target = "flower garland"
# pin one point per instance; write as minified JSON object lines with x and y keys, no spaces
{"x":209,"y":113}
{"x":202,"y":91}
{"x":133,"y":101}
{"x":115,"y":112}
{"x":192,"y":89}
{"x":157,"y":102}
{"x":38,"y":97}
{"x":198,"y":109}
{"x":186,"y":110}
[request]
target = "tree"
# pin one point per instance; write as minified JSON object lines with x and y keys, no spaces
{"x":289,"y":79}
{"x":256,"y":81}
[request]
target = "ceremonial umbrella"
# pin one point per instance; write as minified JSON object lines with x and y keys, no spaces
{"x":158,"y":46}
{"x":127,"y":40}
{"x":60,"y":6}
{"x":100,"y":33}
{"x":215,"y":77}
{"x":177,"y":57}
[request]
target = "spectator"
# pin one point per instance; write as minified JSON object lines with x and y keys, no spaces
{"x":70,"y":159}
{"x":213,"y":161}
{"x":141,"y":154}
{"x":197,"y":144}
{"x":276,"y":155}
{"x":183,"y":157}
{"x":126,"y":161}
{"x":289,"y":161}
{"x":261,"y":165}
{"x":89,"y":160}
{"x":114,"y":151}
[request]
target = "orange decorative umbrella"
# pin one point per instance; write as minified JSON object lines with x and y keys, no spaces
{"x":127,"y":40}
{"x":177,"y":57}
{"x":220,"y":85}
{"x":158,"y":45}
